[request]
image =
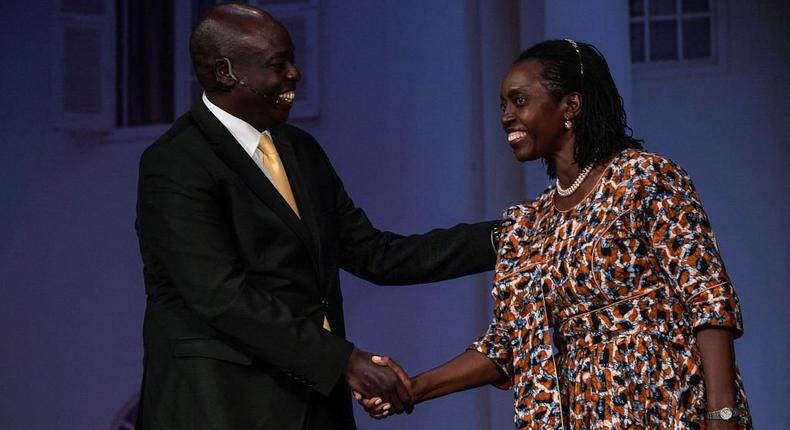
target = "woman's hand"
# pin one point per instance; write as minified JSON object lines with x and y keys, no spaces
{"x":375,"y":407}
{"x":722,"y":425}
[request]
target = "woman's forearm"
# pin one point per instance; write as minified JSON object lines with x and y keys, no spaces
{"x":718,"y":361}
{"x":468,"y":370}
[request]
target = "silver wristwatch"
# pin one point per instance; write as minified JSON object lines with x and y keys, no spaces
{"x":724,"y":414}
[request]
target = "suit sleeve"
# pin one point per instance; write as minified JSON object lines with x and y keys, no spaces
{"x":182,"y":222}
{"x":386,"y":258}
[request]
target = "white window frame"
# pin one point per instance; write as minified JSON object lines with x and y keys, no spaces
{"x":671,"y":69}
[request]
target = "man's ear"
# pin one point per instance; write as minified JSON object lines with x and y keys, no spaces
{"x":573,"y":105}
{"x":223,"y":73}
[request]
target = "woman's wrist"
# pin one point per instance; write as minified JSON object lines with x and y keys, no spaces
{"x":420,"y":387}
{"x":720,"y":394}
{"x":714,"y":403}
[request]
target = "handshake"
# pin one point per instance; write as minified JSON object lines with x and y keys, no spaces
{"x":379,"y":384}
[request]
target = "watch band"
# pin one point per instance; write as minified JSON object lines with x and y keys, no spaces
{"x":724,"y":414}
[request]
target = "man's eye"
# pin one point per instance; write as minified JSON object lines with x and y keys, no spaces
{"x":278,"y":66}
{"x":502,"y":106}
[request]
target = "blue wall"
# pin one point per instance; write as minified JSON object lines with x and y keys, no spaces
{"x":408,"y":116}
{"x":728,"y":129}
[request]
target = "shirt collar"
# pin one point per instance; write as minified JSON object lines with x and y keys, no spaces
{"x":244,"y":133}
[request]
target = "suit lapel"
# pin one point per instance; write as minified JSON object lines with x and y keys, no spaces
{"x":229,"y":151}
{"x":288,"y":156}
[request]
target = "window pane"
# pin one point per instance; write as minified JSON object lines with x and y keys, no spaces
{"x":662,"y":7}
{"x":663,"y":40}
{"x":636,"y":7}
{"x":149,"y":65}
{"x":637,"y":42}
{"x":692,"y":6}
{"x":696,"y":38}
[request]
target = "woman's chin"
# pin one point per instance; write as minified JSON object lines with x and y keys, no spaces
{"x":525,"y":155}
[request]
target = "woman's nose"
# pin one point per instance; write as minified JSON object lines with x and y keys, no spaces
{"x":507,"y":117}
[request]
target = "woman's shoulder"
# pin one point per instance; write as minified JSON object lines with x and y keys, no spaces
{"x":518,"y":213}
{"x":638,"y":166}
{"x":528,"y":210}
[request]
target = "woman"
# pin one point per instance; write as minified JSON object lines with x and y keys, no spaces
{"x":615,"y":266}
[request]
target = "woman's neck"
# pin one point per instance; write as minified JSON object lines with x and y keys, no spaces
{"x":565,"y":166}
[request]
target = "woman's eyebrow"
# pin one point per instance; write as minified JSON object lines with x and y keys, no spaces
{"x":520,"y":89}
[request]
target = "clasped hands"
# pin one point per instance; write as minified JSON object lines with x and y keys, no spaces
{"x":379,"y":384}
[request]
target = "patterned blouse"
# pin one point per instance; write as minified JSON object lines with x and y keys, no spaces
{"x":596,"y":306}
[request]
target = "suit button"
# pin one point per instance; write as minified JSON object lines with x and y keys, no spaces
{"x":325,"y":303}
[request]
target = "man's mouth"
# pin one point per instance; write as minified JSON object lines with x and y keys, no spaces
{"x":286,"y":98}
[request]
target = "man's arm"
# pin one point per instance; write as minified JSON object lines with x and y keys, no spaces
{"x":387,"y":258}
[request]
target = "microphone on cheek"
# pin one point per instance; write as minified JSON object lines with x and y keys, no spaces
{"x":244,"y":84}
{"x":257,"y":93}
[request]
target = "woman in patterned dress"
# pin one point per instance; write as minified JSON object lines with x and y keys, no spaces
{"x":611,"y":296}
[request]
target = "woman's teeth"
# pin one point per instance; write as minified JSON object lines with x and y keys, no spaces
{"x":516,"y":135}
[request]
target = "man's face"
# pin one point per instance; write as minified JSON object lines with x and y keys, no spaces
{"x":267,"y":77}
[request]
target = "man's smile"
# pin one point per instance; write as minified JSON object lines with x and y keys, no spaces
{"x":286,"y":98}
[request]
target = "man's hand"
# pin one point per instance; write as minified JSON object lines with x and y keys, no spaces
{"x":375,"y":406}
{"x":368,"y":380}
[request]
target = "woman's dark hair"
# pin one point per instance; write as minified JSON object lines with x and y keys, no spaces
{"x":601,"y":126}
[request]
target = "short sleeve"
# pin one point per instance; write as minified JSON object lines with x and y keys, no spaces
{"x":496,"y":342}
{"x":686,"y":248}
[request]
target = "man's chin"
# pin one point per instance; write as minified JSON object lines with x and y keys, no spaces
{"x":280,"y":116}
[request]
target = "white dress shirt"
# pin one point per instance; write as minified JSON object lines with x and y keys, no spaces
{"x":247,"y":135}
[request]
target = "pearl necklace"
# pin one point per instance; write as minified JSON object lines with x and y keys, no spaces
{"x":565,"y":192}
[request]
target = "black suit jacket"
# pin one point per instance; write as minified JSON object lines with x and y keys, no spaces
{"x":237,"y":285}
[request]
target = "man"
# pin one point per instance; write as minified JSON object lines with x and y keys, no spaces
{"x":243,"y":225}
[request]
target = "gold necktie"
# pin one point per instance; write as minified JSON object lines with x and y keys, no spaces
{"x":271,"y":160}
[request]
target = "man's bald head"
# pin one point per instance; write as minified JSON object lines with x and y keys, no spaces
{"x":227,"y":30}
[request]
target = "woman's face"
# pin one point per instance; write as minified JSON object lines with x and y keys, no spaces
{"x":531,"y":117}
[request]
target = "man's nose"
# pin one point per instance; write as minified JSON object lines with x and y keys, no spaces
{"x":293,"y":74}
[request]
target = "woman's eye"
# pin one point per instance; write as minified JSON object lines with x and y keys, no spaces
{"x":520,"y":101}
{"x":502,"y":106}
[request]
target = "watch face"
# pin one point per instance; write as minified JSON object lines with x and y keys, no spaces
{"x":726,"y":413}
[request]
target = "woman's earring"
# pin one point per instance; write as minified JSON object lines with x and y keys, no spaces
{"x":568,"y":124}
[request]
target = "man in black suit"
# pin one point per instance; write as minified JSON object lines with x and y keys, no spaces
{"x":243,"y":225}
